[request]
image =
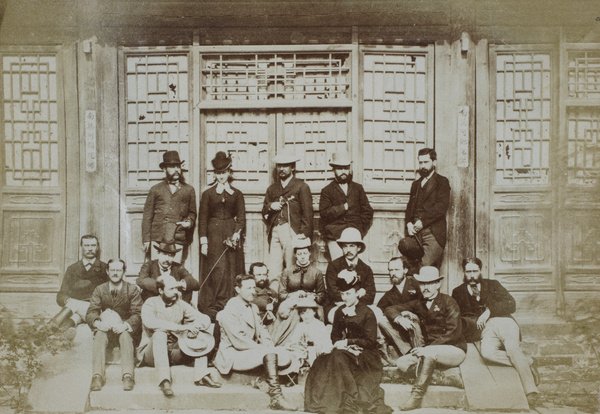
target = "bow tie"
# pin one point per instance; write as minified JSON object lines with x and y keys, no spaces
{"x":475,"y":291}
{"x":114,"y":293}
{"x":351,"y":311}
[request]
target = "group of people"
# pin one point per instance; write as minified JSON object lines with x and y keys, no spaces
{"x":285,"y":314}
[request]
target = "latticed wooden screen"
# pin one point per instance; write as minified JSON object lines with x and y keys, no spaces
{"x":523,"y":118}
{"x":157,"y":114}
{"x":396,"y":115}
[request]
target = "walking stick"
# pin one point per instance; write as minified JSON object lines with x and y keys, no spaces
{"x":213,"y":268}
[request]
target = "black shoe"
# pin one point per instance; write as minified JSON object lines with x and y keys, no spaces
{"x":97,"y":383}
{"x":165,"y":386}
{"x":207,"y":381}
{"x":128,"y":382}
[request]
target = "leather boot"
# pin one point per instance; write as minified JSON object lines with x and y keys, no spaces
{"x":272,"y":378}
{"x":420,"y":385}
{"x":62,"y":316}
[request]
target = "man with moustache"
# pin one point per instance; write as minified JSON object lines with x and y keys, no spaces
{"x":425,"y":216}
{"x":164,"y":265}
{"x":486,"y":308}
{"x":170,"y":210}
{"x":266,"y":299}
{"x":404,"y":289}
{"x":288,"y":213}
{"x":114,"y":317}
{"x":343,"y":204}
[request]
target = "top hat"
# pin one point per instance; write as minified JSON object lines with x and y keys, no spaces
{"x":340,"y":159}
{"x":411,"y":248}
{"x":306,"y":302}
{"x":221,"y":162}
{"x":428,"y":274}
{"x":198,"y":346}
{"x":170,"y":158}
{"x":352,"y":235}
{"x":167,"y":247}
{"x":301,"y":243}
{"x":286,"y":156}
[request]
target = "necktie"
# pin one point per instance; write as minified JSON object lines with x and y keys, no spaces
{"x":475,"y":292}
{"x":114,"y":293}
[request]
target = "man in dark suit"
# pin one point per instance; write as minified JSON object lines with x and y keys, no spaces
{"x":164,"y":265}
{"x":288,"y":213}
{"x":78,"y":284}
{"x":404,"y":289}
{"x":425,"y":216}
{"x":486,"y":308}
{"x":434,"y":323}
{"x":170,"y":210}
{"x":343,"y":204}
{"x":114,"y":316}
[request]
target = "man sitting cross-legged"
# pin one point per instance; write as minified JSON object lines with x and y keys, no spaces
{"x":174,"y":333}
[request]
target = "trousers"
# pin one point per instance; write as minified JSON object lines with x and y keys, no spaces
{"x":101,"y":342}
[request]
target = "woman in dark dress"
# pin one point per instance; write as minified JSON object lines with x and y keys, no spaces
{"x":221,"y":224}
{"x":347,"y":380}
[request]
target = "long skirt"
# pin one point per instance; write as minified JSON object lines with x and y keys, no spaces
{"x":341,"y":382}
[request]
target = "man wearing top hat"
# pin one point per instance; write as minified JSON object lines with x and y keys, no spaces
{"x":288,"y":212}
{"x":343,"y":204}
{"x":170,"y":209}
{"x":164,"y":265}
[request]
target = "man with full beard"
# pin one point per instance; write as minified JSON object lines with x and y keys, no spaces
{"x":170,"y":210}
{"x":265,"y":298}
{"x":486,"y":308}
{"x":425,"y":216}
{"x":343,"y":204}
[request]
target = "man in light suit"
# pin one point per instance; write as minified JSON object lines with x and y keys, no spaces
{"x":343,"y":204}
{"x":426,"y":213}
{"x":246,"y":344}
{"x":114,"y":316}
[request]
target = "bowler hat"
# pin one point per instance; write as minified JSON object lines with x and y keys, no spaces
{"x":352,"y":235}
{"x":221,"y":162}
{"x":195,"y":347}
{"x":286,"y":156}
{"x":170,"y":158}
{"x":428,"y":274}
{"x":340,"y":159}
{"x":410,"y":247}
{"x":167,"y":247}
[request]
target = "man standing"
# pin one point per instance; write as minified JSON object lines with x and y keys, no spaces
{"x":246,"y":344}
{"x":426,"y":213}
{"x":288,"y":212}
{"x":346,"y":267}
{"x":486,"y":308}
{"x":114,"y":316}
{"x":170,"y":209}
{"x":404,"y":289}
{"x":343,"y":204}
{"x":174,"y":333}
{"x":79,"y":282}
{"x":165,"y":266}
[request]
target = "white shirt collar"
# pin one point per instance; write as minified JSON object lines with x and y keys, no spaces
{"x":117,"y":288}
{"x":349,"y":311}
{"x":352,"y":263}
{"x":424,"y":181}
{"x":284,"y":183}
{"x":90,"y":262}
{"x":224,"y":187}
{"x":344,"y":187}
{"x":400,"y":286}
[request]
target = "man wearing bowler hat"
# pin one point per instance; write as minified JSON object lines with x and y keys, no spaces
{"x":170,"y":210}
{"x":343,"y":204}
{"x":164,"y":265}
{"x":288,"y":212}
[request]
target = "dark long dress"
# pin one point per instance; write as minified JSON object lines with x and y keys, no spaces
{"x":220,"y":216}
{"x":341,"y":382}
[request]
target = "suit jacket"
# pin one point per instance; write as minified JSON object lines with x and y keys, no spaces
{"x":150,"y":271}
{"x":128,"y":304}
{"x":298,"y":197}
{"x":435,"y":205}
{"x":492,"y":296}
{"x":164,"y":209}
{"x":79,"y":283}
{"x":441,"y":324}
{"x":410,"y":291}
{"x":367,"y":282}
{"x":335,"y":218}
{"x":241,"y":329}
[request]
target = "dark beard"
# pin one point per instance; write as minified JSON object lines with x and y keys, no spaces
{"x":396,"y":281}
{"x":424,"y":172}
{"x":474,"y":281}
{"x":344,"y":180}
{"x":170,"y":177}
{"x":262,"y":284}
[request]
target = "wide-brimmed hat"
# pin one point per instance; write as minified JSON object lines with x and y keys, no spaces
{"x":221,"y":162}
{"x":202,"y":344}
{"x":352,"y":235}
{"x":286,"y":156}
{"x":301,"y":243}
{"x":170,"y":158}
{"x":307,"y":302}
{"x":428,"y":274}
{"x":410,"y":247}
{"x":340,"y":159}
{"x":167,"y":247}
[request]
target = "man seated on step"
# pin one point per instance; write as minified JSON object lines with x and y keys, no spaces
{"x":175,"y":333}
{"x":78,"y":284}
{"x":434,"y":326}
{"x":246,"y":344}
{"x":486,"y":308}
{"x":114,"y":316}
{"x":265,"y":298}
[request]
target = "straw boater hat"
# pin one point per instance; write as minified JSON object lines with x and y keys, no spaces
{"x":286,"y":156}
{"x":428,"y":274}
{"x":170,"y":158}
{"x":198,"y":346}
{"x":352,"y":235}
{"x":221,"y":162}
{"x":340,"y":159}
{"x":167,"y":247}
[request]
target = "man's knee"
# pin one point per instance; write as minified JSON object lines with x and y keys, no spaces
{"x":159,"y":337}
